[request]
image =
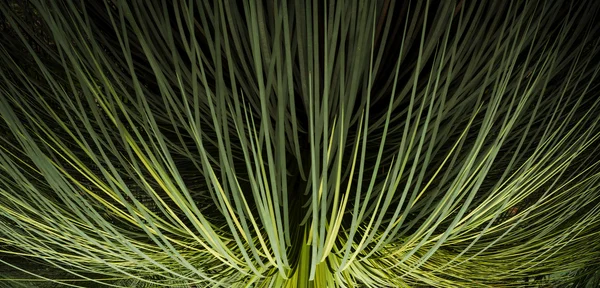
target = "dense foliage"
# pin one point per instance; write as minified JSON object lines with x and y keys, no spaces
{"x":299,"y":143}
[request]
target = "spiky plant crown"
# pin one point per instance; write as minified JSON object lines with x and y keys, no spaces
{"x":299,"y":143}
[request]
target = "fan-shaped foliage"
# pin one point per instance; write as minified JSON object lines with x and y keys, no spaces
{"x":299,"y":143}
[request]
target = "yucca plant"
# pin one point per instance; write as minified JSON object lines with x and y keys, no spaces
{"x":299,"y":143}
